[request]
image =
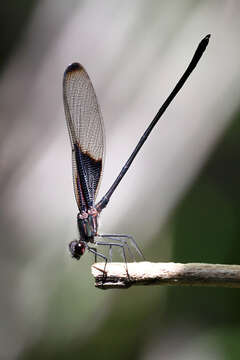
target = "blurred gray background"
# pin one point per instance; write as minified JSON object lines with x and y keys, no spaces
{"x":180,"y":199}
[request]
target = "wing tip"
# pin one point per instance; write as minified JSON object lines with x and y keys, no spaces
{"x":72,"y":68}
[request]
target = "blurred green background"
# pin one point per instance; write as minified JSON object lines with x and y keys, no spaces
{"x":180,"y":200}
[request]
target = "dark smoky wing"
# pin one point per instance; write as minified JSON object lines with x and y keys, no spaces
{"x":86,"y":133}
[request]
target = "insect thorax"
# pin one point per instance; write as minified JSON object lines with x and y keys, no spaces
{"x":88,"y":224}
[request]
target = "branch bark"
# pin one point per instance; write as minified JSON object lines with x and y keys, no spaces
{"x":118,"y":275}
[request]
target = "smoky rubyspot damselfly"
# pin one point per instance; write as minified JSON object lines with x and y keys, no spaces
{"x":86,"y":133}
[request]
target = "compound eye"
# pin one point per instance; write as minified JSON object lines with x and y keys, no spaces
{"x":77,"y":249}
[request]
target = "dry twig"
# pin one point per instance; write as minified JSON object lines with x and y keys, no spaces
{"x":148,"y":273}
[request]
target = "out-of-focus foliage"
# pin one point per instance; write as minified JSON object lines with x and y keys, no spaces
{"x":181,"y":195}
{"x":14,"y":19}
{"x":205,"y":229}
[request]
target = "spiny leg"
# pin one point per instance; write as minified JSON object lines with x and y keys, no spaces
{"x":119,"y":245}
{"x":94,"y":251}
{"x":127,"y":237}
{"x":123,"y":242}
{"x":95,"y":254}
{"x":110,"y":253}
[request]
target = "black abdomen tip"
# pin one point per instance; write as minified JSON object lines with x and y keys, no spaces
{"x":203,"y":44}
